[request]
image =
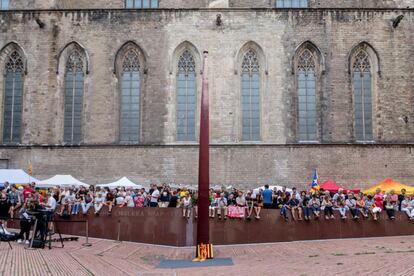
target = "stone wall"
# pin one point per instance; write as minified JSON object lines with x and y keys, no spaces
{"x":241,"y":166}
{"x":276,"y":34}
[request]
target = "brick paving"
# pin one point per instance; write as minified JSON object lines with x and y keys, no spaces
{"x":382,"y":256}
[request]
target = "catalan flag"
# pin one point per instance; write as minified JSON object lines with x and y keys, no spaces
{"x":30,"y":169}
{"x":315,"y":183}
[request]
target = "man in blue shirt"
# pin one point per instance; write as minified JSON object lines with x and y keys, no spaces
{"x":267,"y":197}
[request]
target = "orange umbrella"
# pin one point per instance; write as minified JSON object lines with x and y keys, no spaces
{"x":389,"y":184}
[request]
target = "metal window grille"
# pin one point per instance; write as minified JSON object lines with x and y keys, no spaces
{"x":13,"y":98}
{"x":141,"y":4}
{"x":4,"y":4}
{"x":74,"y":84}
{"x":186,"y":97}
{"x":362,"y":80}
{"x":130,"y":118}
{"x":250,"y":83}
{"x":306,"y":85}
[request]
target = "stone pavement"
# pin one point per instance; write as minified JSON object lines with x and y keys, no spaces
{"x":378,"y":256}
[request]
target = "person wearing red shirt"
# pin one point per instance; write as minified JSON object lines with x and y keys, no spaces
{"x":378,"y":203}
{"x":27,"y":192}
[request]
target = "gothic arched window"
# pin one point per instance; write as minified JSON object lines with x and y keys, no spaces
{"x":186,"y":97}
{"x":292,"y":3}
{"x":250,"y":101}
{"x":4,"y":4}
{"x":13,"y":98}
{"x":362,"y":80}
{"x":130,"y":117}
{"x":74,"y":80}
{"x":306,"y":83}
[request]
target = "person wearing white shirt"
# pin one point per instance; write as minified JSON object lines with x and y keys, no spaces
{"x":51,"y":203}
{"x":154,"y":197}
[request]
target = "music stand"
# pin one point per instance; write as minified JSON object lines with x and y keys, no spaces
{"x":33,"y":237}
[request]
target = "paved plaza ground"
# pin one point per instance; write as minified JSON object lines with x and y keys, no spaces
{"x":374,"y":256}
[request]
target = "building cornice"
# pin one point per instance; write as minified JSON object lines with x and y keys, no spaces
{"x":214,"y":145}
{"x":212,"y":10}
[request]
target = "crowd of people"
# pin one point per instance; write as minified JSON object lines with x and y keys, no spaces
{"x":224,"y":204}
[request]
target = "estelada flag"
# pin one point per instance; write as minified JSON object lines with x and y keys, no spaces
{"x":315,"y":183}
{"x":30,"y":169}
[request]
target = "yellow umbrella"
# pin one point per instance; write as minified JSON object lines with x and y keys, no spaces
{"x":389,"y":184}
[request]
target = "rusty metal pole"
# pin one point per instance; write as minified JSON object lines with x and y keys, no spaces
{"x":86,"y":243}
{"x":203,"y":231}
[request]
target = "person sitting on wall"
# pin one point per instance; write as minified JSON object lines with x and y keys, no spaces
{"x":411,"y":204}
{"x":304,"y":204}
{"x":14,"y":200}
{"x":231,"y":205}
{"x":109,"y":200}
{"x":120,"y":200}
{"x":86,"y":202}
{"x":340,"y":194}
{"x":213,"y":204}
{"x":294,"y":206}
{"x":241,"y":205}
{"x":352,"y":205}
{"x":315,"y":205}
{"x":277,"y":200}
{"x":390,"y":206}
{"x":327,"y":206}
{"x":257,"y":203}
{"x":249,"y":205}
{"x":27,"y":192}
{"x":76,"y":204}
{"x":378,"y":204}
{"x":67,"y":202}
{"x":221,"y":206}
{"x":340,"y":205}
{"x":407,"y":208}
{"x":98,"y":203}
{"x":186,"y":205}
{"x":361,"y":205}
{"x":401,"y":197}
{"x":393,"y":198}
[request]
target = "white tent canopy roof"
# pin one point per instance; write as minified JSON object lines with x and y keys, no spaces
{"x":16,"y":177}
{"x":61,"y":181}
{"x":123,"y":182}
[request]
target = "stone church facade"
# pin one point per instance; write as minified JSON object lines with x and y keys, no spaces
{"x":110,"y":88}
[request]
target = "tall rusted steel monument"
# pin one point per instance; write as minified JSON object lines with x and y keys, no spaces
{"x":204,"y":248}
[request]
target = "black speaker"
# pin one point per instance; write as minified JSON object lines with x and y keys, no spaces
{"x":38,"y":244}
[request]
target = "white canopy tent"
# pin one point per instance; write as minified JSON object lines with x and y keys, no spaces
{"x":278,"y":188}
{"x":61,"y":181}
{"x":123,"y":182}
{"x":16,"y":177}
